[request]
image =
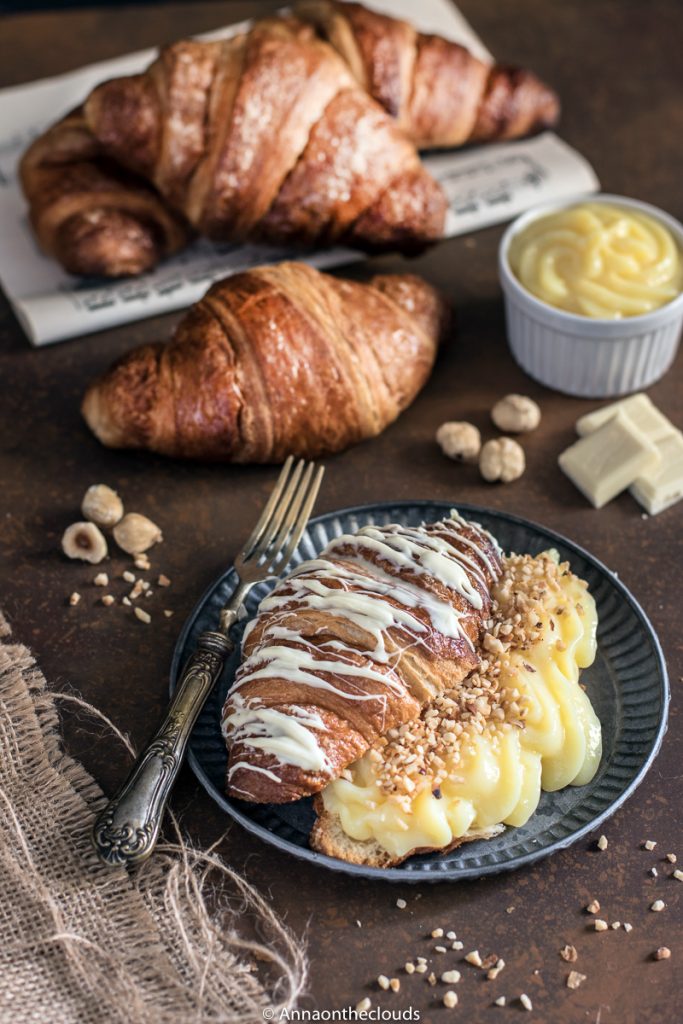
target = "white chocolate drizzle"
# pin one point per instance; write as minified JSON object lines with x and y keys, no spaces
{"x":360,"y":596}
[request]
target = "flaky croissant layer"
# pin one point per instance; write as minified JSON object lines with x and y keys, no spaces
{"x":276,"y":361}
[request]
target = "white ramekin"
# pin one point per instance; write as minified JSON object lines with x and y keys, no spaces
{"x":580,"y":355}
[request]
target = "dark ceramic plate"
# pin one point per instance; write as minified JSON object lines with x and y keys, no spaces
{"x":627,"y":684}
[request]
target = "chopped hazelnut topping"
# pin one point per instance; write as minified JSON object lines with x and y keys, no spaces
{"x":654,"y":872}
{"x":569,"y":954}
{"x":657,"y":906}
{"x":421,"y":968}
{"x":125,"y":600}
{"x":168,"y":613}
{"x":437,"y":933}
{"x":489,"y":961}
{"x":451,"y":977}
{"x":525,"y":1001}
{"x":101,"y":580}
{"x":451,"y":935}
{"x":409,"y":968}
{"x":457,"y":944}
{"x":363,"y":1005}
{"x":500,"y":1001}
{"x":164,"y":581}
{"x":142,"y":615}
{"x":128,"y":576}
{"x":74,"y":599}
{"x":678,"y":875}
{"x":401,"y":904}
{"x":628,"y":927}
{"x":615,"y":925}
{"x":431,"y":979}
{"x":593,"y":907}
{"x":108,"y":599}
{"x":138,"y":589}
{"x":440,"y":949}
{"x":450,"y":999}
{"x":383,"y":982}
{"x":649,"y":844}
{"x":142,"y":562}
{"x":600,"y":925}
{"x":671,"y":857}
{"x":574,"y":979}
{"x":602,"y":843}
{"x":474,"y":958}
{"x":493,"y":972}
{"x":663,"y":953}
{"x":394,"y":984}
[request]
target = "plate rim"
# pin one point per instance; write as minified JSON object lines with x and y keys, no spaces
{"x":400,"y":874}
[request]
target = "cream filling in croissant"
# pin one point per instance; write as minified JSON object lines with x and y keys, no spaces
{"x":482,"y":756}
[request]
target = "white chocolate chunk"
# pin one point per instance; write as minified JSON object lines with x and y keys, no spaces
{"x":661,"y":486}
{"x":639,"y":409}
{"x":608,"y":460}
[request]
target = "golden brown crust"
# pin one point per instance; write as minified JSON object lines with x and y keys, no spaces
{"x":415,"y":672}
{"x":438,"y":91}
{"x":278,"y":360}
{"x":90,"y":214}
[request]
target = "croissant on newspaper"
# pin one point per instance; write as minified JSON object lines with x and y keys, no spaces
{"x":275,"y":361}
{"x":264,"y":136}
{"x":351,"y":645}
{"x":440,"y":94}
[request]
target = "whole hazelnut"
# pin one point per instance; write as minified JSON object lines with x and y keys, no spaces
{"x":516,"y":414}
{"x":502,"y":459}
{"x":136,"y":533}
{"x":84,"y":541}
{"x":460,"y":441}
{"x":102,"y":505}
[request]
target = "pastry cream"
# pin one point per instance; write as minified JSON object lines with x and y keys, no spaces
{"x":598,"y":260}
{"x":499,"y":772}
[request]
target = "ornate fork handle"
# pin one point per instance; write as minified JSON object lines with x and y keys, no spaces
{"x":126,"y":831}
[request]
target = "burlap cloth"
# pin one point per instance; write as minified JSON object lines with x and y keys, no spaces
{"x":80,"y":942}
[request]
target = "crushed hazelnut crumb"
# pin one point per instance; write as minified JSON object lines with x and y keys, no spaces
{"x":494,"y":971}
{"x":74,"y":599}
{"x":593,"y":907}
{"x":168,"y":613}
{"x":569,"y":954}
{"x":574,"y":979}
{"x":657,"y":906}
{"x":125,"y":600}
{"x":451,"y":977}
{"x":128,"y":576}
{"x":649,"y":844}
{"x":395,"y":985}
{"x":678,"y":875}
{"x":671,"y":857}
{"x":489,"y":961}
{"x":163,"y":581}
{"x":663,"y":953}
{"x":450,"y":1000}
{"x":142,"y":562}
{"x":654,"y":872}
{"x":451,"y":935}
{"x":603,"y":843}
{"x":474,"y":958}
{"x":600,"y":925}
{"x":401,"y":904}
{"x":101,"y":580}
{"x":440,"y":949}
{"x":457,"y":944}
{"x":500,"y":1001}
{"x":431,"y":979}
{"x":409,"y":968}
{"x":628,"y":927}
{"x":421,"y":968}
{"x":363,"y":1005}
{"x":615,"y":925}
{"x":142,"y":615}
{"x":437,"y":933}
{"x":383,"y":982}
{"x":108,"y":599}
{"x":526,"y":1002}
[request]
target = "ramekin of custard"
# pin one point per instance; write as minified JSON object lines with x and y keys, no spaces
{"x":593,"y":294}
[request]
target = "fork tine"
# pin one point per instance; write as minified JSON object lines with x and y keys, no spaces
{"x":265,"y":516}
{"x":290,"y":519}
{"x":300,"y":525}
{"x":279,"y":512}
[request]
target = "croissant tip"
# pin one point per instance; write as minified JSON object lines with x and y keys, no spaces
{"x":94,"y":412}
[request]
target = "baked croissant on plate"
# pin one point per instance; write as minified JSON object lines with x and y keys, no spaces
{"x":279,"y":360}
{"x":265,"y":136}
{"x":440,"y":94}
{"x":350,"y":646}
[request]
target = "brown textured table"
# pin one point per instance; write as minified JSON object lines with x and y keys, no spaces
{"x":617,"y":68}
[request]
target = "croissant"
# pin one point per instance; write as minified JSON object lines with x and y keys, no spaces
{"x":278,"y":360}
{"x":440,"y":94}
{"x":350,"y":646}
{"x":265,"y":136}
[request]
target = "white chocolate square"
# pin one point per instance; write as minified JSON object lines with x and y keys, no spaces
{"x":609,"y":459}
{"x":661,"y":486}
{"x":640,"y":410}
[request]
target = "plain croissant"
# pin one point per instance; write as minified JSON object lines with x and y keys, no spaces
{"x":275,"y":361}
{"x":351,"y":645}
{"x":440,"y":94}
{"x":265,"y":136}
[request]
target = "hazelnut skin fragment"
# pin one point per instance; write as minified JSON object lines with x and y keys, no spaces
{"x":84,"y":541}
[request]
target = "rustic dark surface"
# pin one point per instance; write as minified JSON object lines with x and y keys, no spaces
{"x":617,"y":68}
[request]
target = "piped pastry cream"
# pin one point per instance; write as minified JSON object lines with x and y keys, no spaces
{"x":479,"y":755}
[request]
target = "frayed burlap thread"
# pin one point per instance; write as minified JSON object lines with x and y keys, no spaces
{"x":82,"y":943}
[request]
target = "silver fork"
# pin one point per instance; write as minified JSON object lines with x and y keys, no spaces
{"x":126,"y":831}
